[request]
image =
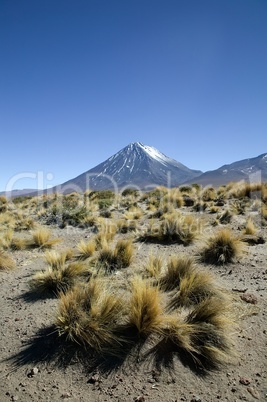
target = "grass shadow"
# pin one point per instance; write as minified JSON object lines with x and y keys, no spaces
{"x":48,"y":347}
{"x":164,"y":354}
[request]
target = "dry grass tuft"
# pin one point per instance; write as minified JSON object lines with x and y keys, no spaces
{"x":194,"y":287}
{"x":41,"y":238}
{"x":57,"y":260}
{"x":177,"y":268}
{"x":120,"y":257}
{"x":89,"y":315}
{"x":204,"y":334}
{"x":250,"y":227}
{"x":6,"y":262}
{"x":173,"y":229}
{"x":154,"y":266}
{"x":56,"y":280}
{"x":221,"y":248}
{"x":86,"y":249}
{"x":145,"y":308}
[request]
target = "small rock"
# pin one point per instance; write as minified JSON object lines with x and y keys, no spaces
{"x":140,"y":399}
{"x":196,"y":399}
{"x":253,"y":392}
{"x":244,"y":381}
{"x":249,"y":298}
{"x":14,"y":398}
{"x":66,"y":395}
{"x":33,"y":372}
{"x":95,"y":378}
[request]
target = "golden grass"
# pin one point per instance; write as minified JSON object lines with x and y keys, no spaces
{"x":86,"y":249}
{"x":57,"y":260}
{"x":89,"y":315}
{"x":221,"y":248}
{"x":121,"y":256}
{"x":123,"y":253}
{"x":173,"y":229}
{"x":204,"y":333}
{"x":177,"y":268}
{"x":41,"y":238}
{"x":6,"y":262}
{"x":194,"y":287}
{"x":56,"y":280}
{"x":154,"y":266}
{"x":250,"y":228}
{"x":145,"y":308}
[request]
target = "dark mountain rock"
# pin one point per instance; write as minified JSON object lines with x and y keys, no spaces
{"x":137,"y":166}
{"x":252,"y":169}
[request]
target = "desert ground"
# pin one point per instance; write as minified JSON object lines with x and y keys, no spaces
{"x":44,"y":358}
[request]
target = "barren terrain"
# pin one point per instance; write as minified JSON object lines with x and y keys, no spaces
{"x":38,"y":365}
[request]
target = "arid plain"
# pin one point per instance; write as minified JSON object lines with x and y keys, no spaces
{"x":139,"y":296}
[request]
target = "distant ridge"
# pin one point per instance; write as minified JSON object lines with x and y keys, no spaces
{"x":251,"y":169}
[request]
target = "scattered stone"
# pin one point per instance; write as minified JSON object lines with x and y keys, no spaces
{"x":239,"y":290}
{"x":249,"y":298}
{"x":140,"y":399}
{"x":253,"y":392}
{"x":196,"y":399}
{"x":14,"y":398}
{"x":244,"y":381}
{"x":66,"y":395}
{"x":95,"y":378}
{"x":33,"y":372}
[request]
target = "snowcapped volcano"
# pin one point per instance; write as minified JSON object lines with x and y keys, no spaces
{"x":136,"y":165}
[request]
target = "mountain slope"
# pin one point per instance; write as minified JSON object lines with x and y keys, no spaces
{"x":251,"y":169}
{"x":136,"y":165}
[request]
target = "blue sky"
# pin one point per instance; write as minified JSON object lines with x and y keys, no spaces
{"x":81,"y":79}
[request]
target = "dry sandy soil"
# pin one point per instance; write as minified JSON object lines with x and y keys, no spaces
{"x":35,"y":366}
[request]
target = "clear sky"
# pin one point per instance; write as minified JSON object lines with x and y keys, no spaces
{"x":81,"y":79}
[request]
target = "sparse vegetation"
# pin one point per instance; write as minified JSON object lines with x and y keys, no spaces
{"x":6,"y":261}
{"x":42,"y":238}
{"x":120,"y":297}
{"x":53,"y":280}
{"x":173,"y":229}
{"x":221,"y":248}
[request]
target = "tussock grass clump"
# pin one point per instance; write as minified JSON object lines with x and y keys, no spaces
{"x":120,"y":257}
{"x":125,"y":226}
{"x":208,"y":194}
{"x":173,"y":198}
{"x":221,"y":248}
{"x":57,"y":260}
{"x":250,"y":190}
{"x":52,"y":281}
{"x":264,"y":212}
{"x":89,"y":315}
{"x":177,"y":268}
{"x":191,"y":320}
{"x":225,"y":217}
{"x":133,"y":213}
{"x":9,"y":242}
{"x":18,"y":243}
{"x":154,"y":266}
{"x":173,"y":229}
{"x":250,"y":227}
{"x":6,"y":262}
{"x":194,"y":287}
{"x":86,"y":249}
{"x":203,"y":335}
{"x":145,"y":308}
{"x":41,"y":238}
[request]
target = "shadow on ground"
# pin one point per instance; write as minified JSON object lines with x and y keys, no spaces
{"x":48,"y":347}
